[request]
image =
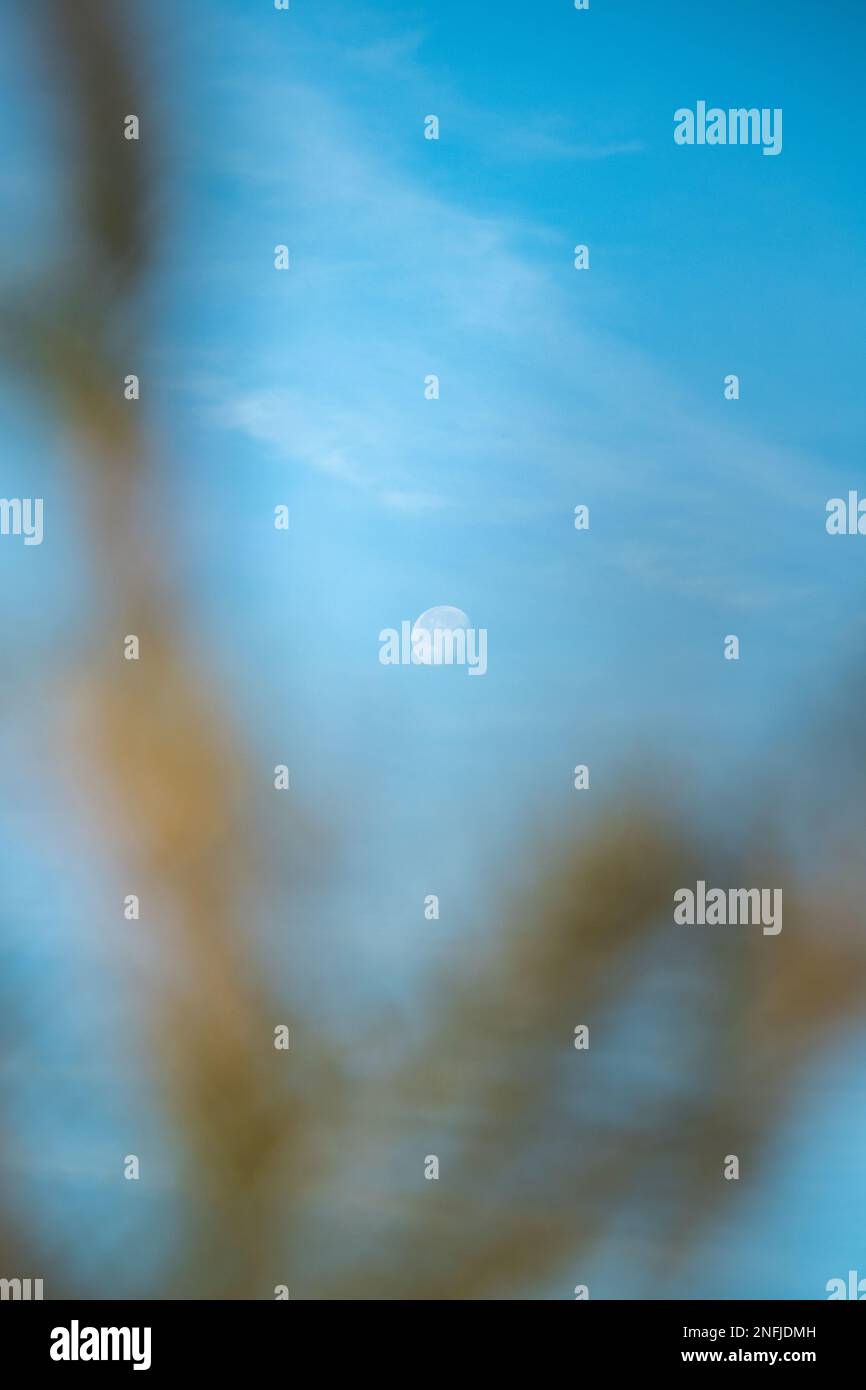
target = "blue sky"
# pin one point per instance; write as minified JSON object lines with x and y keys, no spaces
{"x":605,"y":388}
{"x":558,"y":387}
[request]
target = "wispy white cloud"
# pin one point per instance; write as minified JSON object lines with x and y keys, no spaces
{"x":392,"y":279}
{"x":411,"y":502}
{"x":540,"y":143}
{"x":290,"y":427}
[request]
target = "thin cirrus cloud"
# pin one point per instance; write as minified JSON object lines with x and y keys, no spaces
{"x":391,"y":279}
{"x":345,"y":447}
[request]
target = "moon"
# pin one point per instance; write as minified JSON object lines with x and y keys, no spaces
{"x":443,"y":615}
